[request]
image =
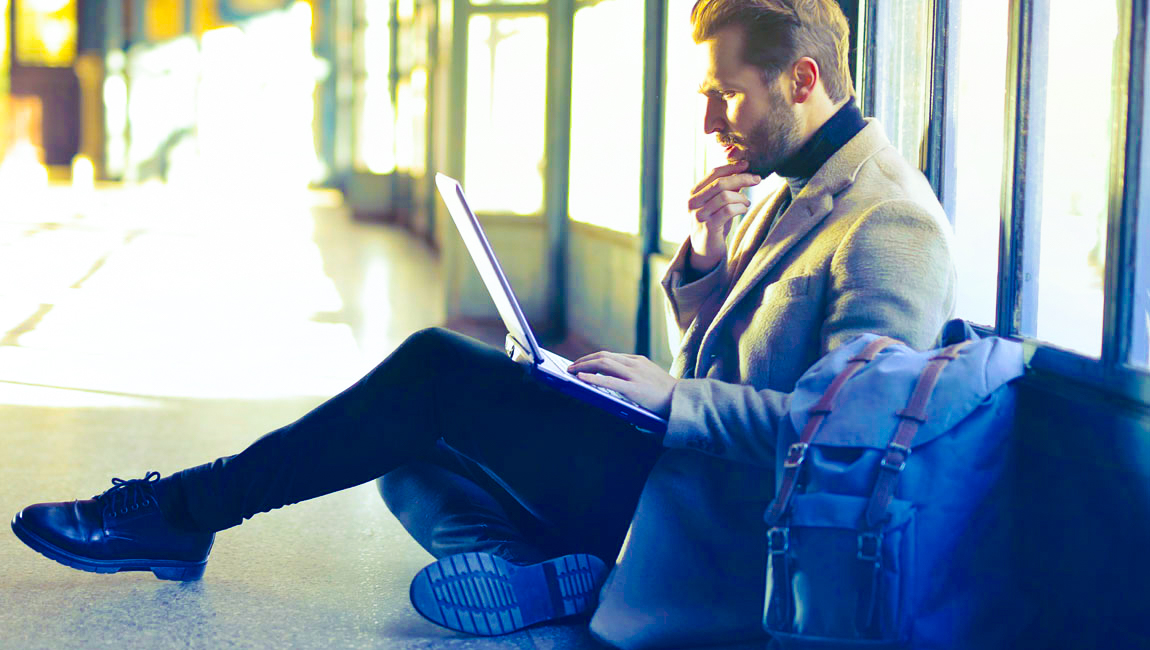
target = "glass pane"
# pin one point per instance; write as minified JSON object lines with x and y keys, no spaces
{"x":1076,"y":174}
{"x":978,"y":149}
{"x":607,"y":116}
{"x":506,"y":107}
{"x":411,"y":123}
{"x":46,"y":33}
{"x":374,"y":112}
{"x":902,"y":73}
{"x":688,"y":153}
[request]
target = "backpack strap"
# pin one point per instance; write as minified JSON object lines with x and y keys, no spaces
{"x":796,"y":454}
{"x":910,"y":418}
{"x":890,"y":467}
{"x":780,"y":606}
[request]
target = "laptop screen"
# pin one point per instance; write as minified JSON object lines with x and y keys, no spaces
{"x":489,"y":270}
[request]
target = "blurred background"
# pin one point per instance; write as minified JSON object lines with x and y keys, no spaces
{"x":573,"y":124}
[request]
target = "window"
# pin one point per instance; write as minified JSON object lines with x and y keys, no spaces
{"x":980,"y":104}
{"x":506,"y":106}
{"x":374,"y":113}
{"x":688,"y":153}
{"x":416,"y":20}
{"x":1075,"y":174}
{"x":902,"y":73}
{"x":607,"y":116}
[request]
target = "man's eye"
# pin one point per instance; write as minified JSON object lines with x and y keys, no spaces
{"x":728,"y":94}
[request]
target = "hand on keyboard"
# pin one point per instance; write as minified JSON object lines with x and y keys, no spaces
{"x":632,"y":377}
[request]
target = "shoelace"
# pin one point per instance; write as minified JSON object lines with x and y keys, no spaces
{"x":126,"y":496}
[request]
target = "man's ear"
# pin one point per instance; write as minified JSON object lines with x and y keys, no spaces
{"x":804,"y":77}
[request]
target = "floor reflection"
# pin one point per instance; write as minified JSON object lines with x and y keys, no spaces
{"x":158,"y":291}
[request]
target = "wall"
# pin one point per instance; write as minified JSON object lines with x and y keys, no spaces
{"x":602,"y":287}
{"x":1084,"y":516}
{"x":520,"y":245}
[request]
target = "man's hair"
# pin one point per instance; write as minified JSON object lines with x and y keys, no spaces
{"x":780,"y":32}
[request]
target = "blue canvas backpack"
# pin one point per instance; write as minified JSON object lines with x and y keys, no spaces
{"x":890,"y":524}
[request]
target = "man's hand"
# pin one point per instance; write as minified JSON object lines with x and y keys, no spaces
{"x":713,"y":203}
{"x":638,"y":378}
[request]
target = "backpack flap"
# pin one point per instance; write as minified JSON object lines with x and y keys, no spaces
{"x":866,"y":407}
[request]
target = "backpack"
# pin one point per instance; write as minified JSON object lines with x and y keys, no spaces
{"x":890,"y":526}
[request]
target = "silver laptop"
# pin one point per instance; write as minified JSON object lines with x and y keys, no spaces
{"x":522,"y":345}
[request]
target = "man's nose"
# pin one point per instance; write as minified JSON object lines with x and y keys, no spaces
{"x":714,"y":119}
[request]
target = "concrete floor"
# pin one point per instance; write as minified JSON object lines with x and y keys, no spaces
{"x":155,"y":329}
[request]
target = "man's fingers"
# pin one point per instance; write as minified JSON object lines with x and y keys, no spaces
{"x":606,"y":381}
{"x":605,"y":365}
{"x":602,"y":354}
{"x":723,"y":206}
{"x":719,"y":172}
{"x":725,"y":184}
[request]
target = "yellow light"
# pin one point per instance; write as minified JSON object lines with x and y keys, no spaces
{"x":47,"y":6}
{"x":46,"y":33}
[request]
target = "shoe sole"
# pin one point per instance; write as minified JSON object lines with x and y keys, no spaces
{"x":163,"y":569}
{"x":485,"y":595}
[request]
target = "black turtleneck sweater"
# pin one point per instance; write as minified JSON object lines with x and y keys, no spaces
{"x":831,"y":136}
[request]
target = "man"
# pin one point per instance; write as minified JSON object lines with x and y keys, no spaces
{"x":525,"y":524}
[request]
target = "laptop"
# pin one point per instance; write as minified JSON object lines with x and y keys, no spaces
{"x":546,"y":366}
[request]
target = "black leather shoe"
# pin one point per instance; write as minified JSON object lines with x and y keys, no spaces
{"x":484,"y":594}
{"x":122,"y":529}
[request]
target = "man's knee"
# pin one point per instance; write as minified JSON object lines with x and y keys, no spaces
{"x":430,"y":340}
{"x":397,"y":487}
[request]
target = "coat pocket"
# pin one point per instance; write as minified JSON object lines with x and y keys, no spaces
{"x":830,"y":586}
{"x":789,"y":287}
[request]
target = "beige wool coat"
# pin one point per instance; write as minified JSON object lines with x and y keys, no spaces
{"x":862,"y":248}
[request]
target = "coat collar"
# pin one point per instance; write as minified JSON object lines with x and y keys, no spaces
{"x":773,"y":235}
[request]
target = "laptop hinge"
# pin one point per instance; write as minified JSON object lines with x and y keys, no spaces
{"x":518,"y":352}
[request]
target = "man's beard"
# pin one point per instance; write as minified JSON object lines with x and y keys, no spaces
{"x":770,"y":142}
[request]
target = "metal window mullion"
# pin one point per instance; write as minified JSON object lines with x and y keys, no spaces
{"x":560,"y":63}
{"x":651,"y":185}
{"x":1022,"y":168}
{"x":868,"y":17}
{"x":457,"y":90}
{"x":940,"y":152}
{"x":1128,"y":123}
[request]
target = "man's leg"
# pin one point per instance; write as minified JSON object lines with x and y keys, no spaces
{"x":449,"y":505}
{"x":561,"y":457}
{"x":436,"y":385}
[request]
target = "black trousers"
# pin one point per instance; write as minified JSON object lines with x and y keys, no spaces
{"x":470,"y":453}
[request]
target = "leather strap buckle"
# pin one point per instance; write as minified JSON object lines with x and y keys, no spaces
{"x":796,"y":454}
{"x":778,"y":540}
{"x":870,"y":547}
{"x":895,"y":458}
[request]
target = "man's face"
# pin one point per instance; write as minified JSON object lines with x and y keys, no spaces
{"x":751,"y":117}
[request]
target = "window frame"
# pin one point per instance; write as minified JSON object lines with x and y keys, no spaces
{"x":1112,"y":374}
